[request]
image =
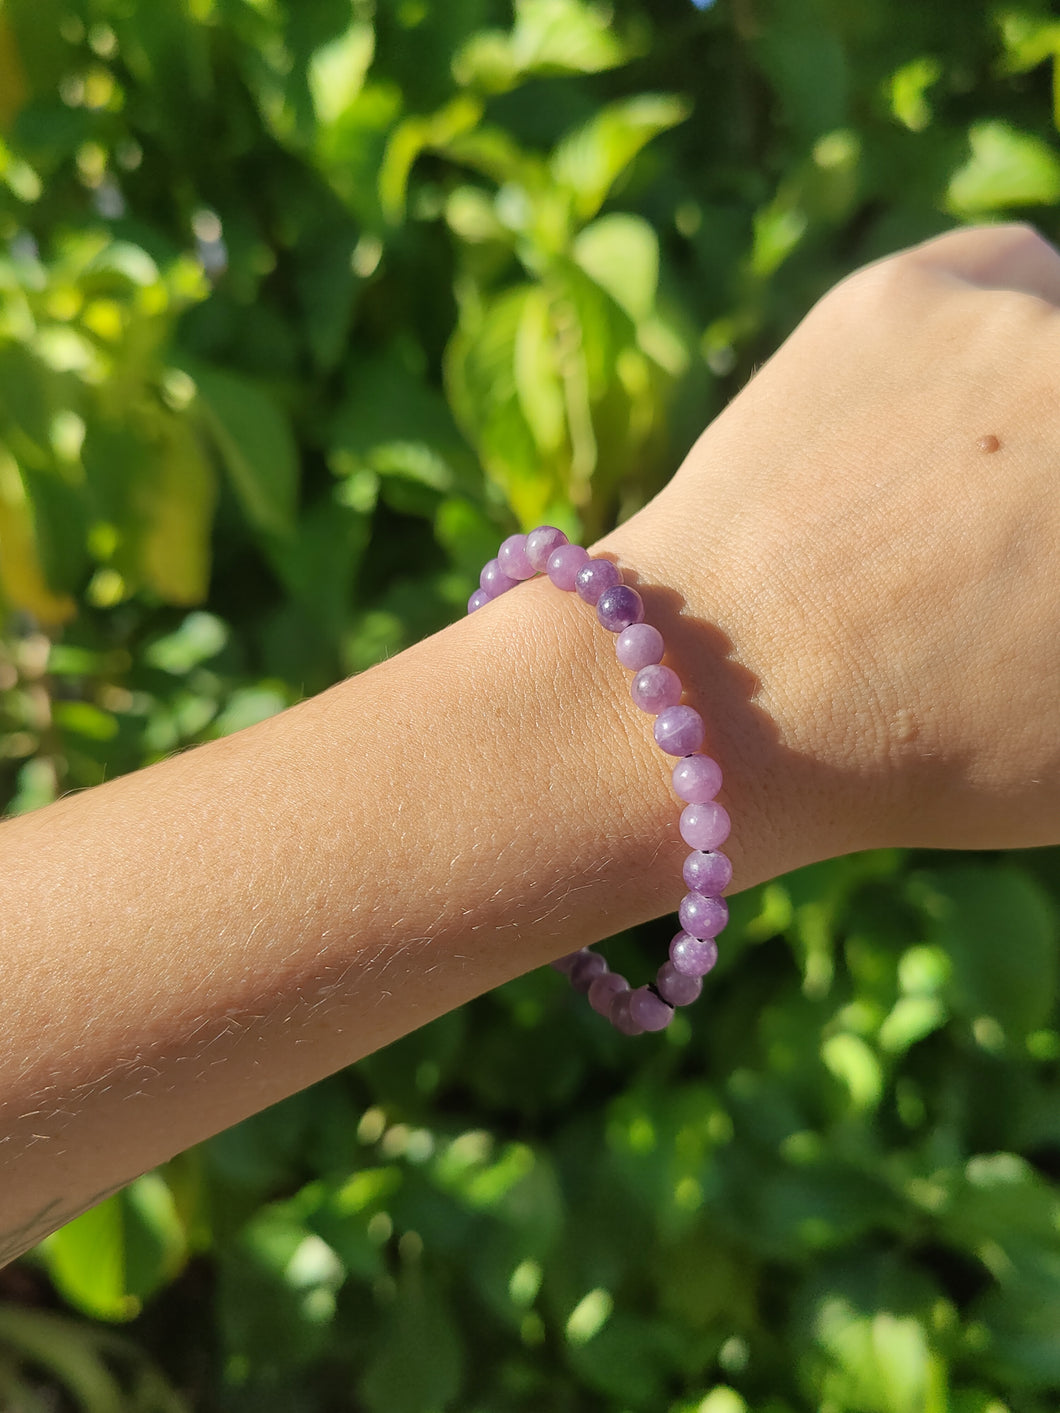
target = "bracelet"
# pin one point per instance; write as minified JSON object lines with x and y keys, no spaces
{"x":679,"y":731}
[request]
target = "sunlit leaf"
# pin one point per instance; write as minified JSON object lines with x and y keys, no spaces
{"x":1006,"y":168}
{"x":588,"y":161}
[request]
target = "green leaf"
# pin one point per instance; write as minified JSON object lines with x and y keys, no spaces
{"x":548,"y":37}
{"x":418,"y":1365}
{"x":588,"y":161}
{"x":537,"y":381}
{"x":174,"y":499}
{"x":621,"y":253}
{"x":411,"y":137}
{"x":1006,"y":168}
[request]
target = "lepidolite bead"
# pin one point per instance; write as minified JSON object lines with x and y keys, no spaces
{"x":513,"y":558}
{"x":604,"y":989}
{"x":540,"y":543}
{"x":676,"y":987}
{"x":707,"y":872}
{"x":617,"y":608}
{"x":639,"y":646}
{"x":477,"y":599}
{"x":564,"y":964}
{"x":702,"y":916}
{"x":594,"y":578}
{"x":564,"y":563}
{"x":621,"y":1016}
{"x":697,"y":779}
{"x":585,"y":971}
{"x":648,"y":1010}
{"x":494,"y":580}
{"x":693,"y":956}
{"x":655,"y":688}
{"x":679,"y":730}
{"x":705,"y":826}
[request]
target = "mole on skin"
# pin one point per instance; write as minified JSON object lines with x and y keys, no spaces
{"x":989,"y":443}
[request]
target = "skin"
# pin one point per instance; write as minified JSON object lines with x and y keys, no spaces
{"x":858,"y":597}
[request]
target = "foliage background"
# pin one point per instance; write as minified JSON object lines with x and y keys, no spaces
{"x":304,"y":304}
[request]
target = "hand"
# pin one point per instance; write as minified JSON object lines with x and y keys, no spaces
{"x":885,"y":667}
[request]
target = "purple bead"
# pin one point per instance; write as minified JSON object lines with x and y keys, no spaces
{"x":512,"y":558}
{"x":655,"y":688}
{"x":564,"y":964}
{"x":648,"y":1010}
{"x":617,"y":608}
{"x":676,"y":987}
{"x":494,"y":581}
{"x":621,"y":1016}
{"x":586,"y":969}
{"x":693,"y":956}
{"x":705,"y":826}
{"x":702,"y":916}
{"x":639,"y":646}
{"x":540,"y":543}
{"x":697,"y":779}
{"x":709,"y":873}
{"x":477,"y":599}
{"x":679,"y":730}
{"x":564,"y":563}
{"x":604,"y":990}
{"x":593,"y":578}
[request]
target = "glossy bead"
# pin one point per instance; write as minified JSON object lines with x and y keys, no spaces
{"x":564,"y":563}
{"x":648,"y":1010}
{"x":513,"y":559}
{"x":593,"y":578}
{"x":494,"y":580}
{"x":705,"y":826}
{"x":540,"y":543}
{"x":585,"y":971}
{"x":639,"y":646}
{"x":477,"y":599}
{"x":677,"y":988}
{"x":697,"y":779}
{"x":706,"y":872}
{"x":604,"y":989}
{"x":702,"y":916}
{"x":679,"y":730}
{"x":693,"y":956}
{"x":617,"y":608}
{"x":564,"y":964}
{"x":655,"y":688}
{"x":621,"y":1017}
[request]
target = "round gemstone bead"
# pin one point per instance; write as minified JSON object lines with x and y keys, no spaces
{"x":697,"y":779}
{"x":702,"y":916}
{"x":679,"y":730}
{"x":586,"y":969}
{"x":639,"y":646}
{"x":564,"y":964}
{"x":618,"y":607}
{"x":494,"y":580}
{"x":593,"y":578}
{"x":564,"y":563}
{"x":513,"y":559}
{"x":604,"y":990}
{"x":540,"y":543}
{"x":677,"y":988}
{"x":706,"y":872}
{"x":648,"y":1010}
{"x":477,"y":599}
{"x":655,"y":688}
{"x":705,"y":826}
{"x":693,"y":956}
{"x":621,"y":1016}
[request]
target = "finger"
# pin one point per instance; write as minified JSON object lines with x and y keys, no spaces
{"x":996,"y":257}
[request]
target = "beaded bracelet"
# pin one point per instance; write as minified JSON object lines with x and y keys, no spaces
{"x":679,"y":731}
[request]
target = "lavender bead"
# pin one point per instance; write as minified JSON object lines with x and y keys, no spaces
{"x":701,"y":916}
{"x":586,"y":969}
{"x":540,"y":543}
{"x":705,"y":826}
{"x":677,"y":988}
{"x":679,"y":730}
{"x":697,"y":779}
{"x":648,"y":1010}
{"x":477,"y":599}
{"x":564,"y":563}
{"x":693,"y":956}
{"x":604,"y":990}
{"x":593,"y":578}
{"x":564,"y":964}
{"x":619,"y":607}
{"x":621,"y":1016}
{"x":709,"y":873}
{"x":513,"y":560}
{"x":494,"y":580}
{"x":655,"y":688}
{"x":639,"y":646}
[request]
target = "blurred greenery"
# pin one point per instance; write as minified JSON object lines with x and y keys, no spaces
{"x":304,"y":304}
